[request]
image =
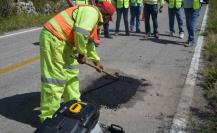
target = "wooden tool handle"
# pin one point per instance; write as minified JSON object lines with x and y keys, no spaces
{"x":102,"y":70}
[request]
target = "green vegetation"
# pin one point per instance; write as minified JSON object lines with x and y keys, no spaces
{"x":212,"y":16}
{"x":22,"y":21}
{"x":207,"y":121}
{"x":210,"y":72}
{"x":11,"y":20}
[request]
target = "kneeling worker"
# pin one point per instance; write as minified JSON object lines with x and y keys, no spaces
{"x":65,"y":41}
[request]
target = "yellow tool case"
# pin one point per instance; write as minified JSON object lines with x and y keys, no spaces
{"x":72,"y":117}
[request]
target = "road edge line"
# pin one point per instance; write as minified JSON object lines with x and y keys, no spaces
{"x":21,"y":32}
{"x":19,"y":65}
{"x":179,"y":124}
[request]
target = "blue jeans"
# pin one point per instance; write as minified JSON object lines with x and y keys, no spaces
{"x":135,"y":12}
{"x":172,"y":13}
{"x":118,"y":20}
{"x":191,"y":22}
{"x":151,"y":10}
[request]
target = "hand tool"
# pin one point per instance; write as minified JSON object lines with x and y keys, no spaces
{"x":114,"y":76}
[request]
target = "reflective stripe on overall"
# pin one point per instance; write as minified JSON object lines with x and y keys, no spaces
{"x":59,"y":71}
{"x":59,"y":74}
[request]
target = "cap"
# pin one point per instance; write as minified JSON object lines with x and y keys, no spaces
{"x":107,"y":7}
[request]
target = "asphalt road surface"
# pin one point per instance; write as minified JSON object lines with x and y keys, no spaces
{"x":145,"y":100}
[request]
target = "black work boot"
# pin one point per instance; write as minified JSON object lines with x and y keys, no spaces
{"x":108,"y":36}
{"x":106,"y":31}
{"x":127,"y":33}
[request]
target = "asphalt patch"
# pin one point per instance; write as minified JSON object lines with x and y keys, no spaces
{"x":111,"y":93}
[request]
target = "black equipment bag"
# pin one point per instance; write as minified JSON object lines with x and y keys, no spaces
{"x":72,"y":117}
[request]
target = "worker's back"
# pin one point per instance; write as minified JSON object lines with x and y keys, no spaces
{"x":63,"y":25}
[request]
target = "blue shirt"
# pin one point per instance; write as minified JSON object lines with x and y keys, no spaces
{"x":188,"y":3}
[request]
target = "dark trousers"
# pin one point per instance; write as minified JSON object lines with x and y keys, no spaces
{"x":151,"y":10}
{"x":106,"y":29}
{"x":121,"y":11}
{"x":135,"y":12}
{"x":174,"y":12}
{"x":191,"y":22}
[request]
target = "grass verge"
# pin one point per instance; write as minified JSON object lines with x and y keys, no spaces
{"x":206,"y":122}
{"x":22,"y":21}
{"x":210,"y":54}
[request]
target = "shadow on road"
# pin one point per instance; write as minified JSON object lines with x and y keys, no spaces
{"x":36,"y":43}
{"x":24,"y":108}
{"x":168,"y":35}
{"x":163,"y":41}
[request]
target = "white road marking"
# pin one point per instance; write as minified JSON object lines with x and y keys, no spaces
{"x":180,"y":120}
{"x":17,"y":33}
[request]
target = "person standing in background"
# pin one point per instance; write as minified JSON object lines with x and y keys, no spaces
{"x":151,"y":9}
{"x":80,"y":2}
{"x":106,"y":23}
{"x":192,"y":9}
{"x":174,"y":9}
{"x":122,"y":7}
{"x":135,"y":11}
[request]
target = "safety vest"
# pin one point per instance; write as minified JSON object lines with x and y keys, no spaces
{"x":63,"y":23}
{"x":105,"y":1}
{"x":122,"y":3}
{"x":136,"y":1}
{"x":81,"y":2}
{"x":196,"y":5}
{"x":175,"y":3}
{"x":153,"y":2}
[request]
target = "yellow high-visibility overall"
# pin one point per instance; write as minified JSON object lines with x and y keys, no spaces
{"x":60,"y":41}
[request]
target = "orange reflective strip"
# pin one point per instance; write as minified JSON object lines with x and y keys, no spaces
{"x":70,"y":10}
{"x":92,"y":34}
{"x":67,"y":29}
{"x":53,"y":30}
{"x":96,"y":36}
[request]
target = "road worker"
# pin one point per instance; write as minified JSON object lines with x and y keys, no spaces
{"x":66,"y":41}
{"x":135,"y":12}
{"x":106,"y":23}
{"x":122,"y":7}
{"x":192,"y":9}
{"x":151,"y":9}
{"x":174,"y":8}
